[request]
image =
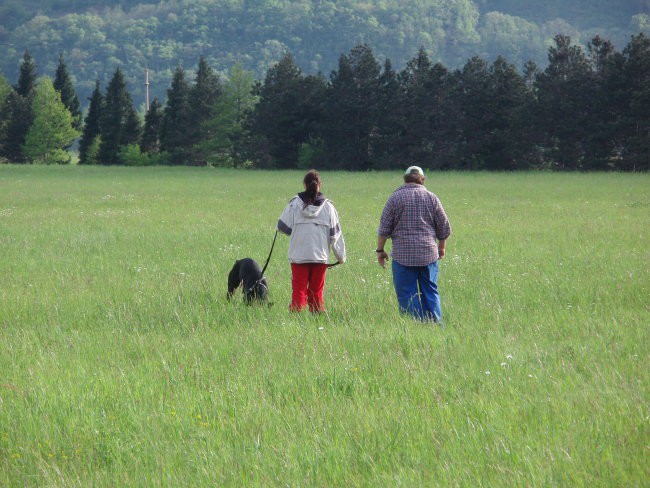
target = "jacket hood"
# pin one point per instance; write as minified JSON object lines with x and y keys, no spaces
{"x":315,"y":208}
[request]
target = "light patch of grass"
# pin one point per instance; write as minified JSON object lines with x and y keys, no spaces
{"x":123,"y":364}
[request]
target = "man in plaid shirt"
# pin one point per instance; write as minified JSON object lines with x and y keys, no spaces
{"x":414,"y":219}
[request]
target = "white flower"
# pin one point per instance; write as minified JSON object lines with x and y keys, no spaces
{"x":487,"y":372}
{"x":503,"y":364}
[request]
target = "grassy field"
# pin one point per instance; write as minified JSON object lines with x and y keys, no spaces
{"x":122,"y":364}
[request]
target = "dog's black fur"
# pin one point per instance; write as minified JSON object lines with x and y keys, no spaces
{"x":247,"y":273}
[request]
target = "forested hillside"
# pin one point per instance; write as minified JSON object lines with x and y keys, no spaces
{"x":96,"y":36}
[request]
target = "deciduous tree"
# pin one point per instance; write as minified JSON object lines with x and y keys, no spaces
{"x":52,"y":130}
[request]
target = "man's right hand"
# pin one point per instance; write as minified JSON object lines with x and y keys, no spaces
{"x":382,"y":258}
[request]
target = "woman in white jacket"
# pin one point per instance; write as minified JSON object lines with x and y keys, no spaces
{"x":313,"y":224}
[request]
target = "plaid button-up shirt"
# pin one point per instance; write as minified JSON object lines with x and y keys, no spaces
{"x":413,"y":218}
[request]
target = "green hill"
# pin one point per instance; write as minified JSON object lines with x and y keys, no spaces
{"x":96,"y":37}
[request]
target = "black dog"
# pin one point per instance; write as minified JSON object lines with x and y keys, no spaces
{"x":247,"y":273}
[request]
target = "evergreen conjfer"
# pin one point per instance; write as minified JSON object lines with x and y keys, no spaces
{"x":176,"y":118}
{"x":27,"y":77}
{"x":119,"y":125}
{"x":5,"y":90}
{"x":63,"y":84}
{"x":91,"y":129}
{"x":17,"y":111}
{"x":564,"y":95}
{"x":150,"y":142}
{"x":17,"y":117}
{"x":287,"y":111}
{"x":635,"y":118}
{"x":352,"y":111}
{"x":203,"y":96}
{"x":275,"y":115}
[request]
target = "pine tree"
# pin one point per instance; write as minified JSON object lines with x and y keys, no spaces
{"x":471,"y":112}
{"x":277,"y":115}
{"x":635,"y":119}
{"x":27,"y":77}
{"x":63,"y":84}
{"x":504,"y":145}
{"x":150,"y":142}
{"x":352,"y":110}
{"x":18,"y":114}
{"x":419,"y":105}
{"x":52,"y":130}
{"x":202,"y":98}
{"x":564,"y":91}
{"x":5,"y":116}
{"x":91,"y":129}
{"x":5,"y":88}
{"x":118,"y":123}
{"x":176,"y":118}
{"x":390,"y":121}
{"x":600,"y":139}
{"x":132,"y":127}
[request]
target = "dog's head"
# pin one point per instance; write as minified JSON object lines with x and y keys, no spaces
{"x":258,"y":292}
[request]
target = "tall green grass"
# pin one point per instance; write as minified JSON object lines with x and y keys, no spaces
{"x":122,"y":364}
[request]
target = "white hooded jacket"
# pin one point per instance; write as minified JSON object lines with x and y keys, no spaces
{"x":313,"y":229}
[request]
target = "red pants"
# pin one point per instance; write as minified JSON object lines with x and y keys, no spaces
{"x":307,"y":283}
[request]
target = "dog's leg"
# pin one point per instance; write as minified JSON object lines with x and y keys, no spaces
{"x":233,"y":280}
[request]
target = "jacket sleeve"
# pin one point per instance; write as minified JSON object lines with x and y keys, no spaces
{"x":285,"y":222}
{"x":336,"y":236}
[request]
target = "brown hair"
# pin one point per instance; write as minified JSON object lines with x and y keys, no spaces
{"x":414,"y":178}
{"x":312,"y":184}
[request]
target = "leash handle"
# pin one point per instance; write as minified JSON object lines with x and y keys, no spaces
{"x":270,"y":252}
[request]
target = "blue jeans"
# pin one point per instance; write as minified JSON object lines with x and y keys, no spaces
{"x":417,"y":290}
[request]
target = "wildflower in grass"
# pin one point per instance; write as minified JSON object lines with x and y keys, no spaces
{"x":487,"y":372}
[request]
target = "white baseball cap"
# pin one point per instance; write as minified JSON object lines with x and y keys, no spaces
{"x":414,"y":170}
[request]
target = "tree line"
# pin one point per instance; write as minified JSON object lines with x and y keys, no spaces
{"x":587,"y":110}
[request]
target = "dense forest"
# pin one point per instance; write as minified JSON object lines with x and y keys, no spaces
{"x":585,"y":110}
{"x":98,"y":36}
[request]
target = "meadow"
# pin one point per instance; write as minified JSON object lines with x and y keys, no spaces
{"x":122,"y":363}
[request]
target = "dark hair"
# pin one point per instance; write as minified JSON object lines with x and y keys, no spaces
{"x":312,"y":183}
